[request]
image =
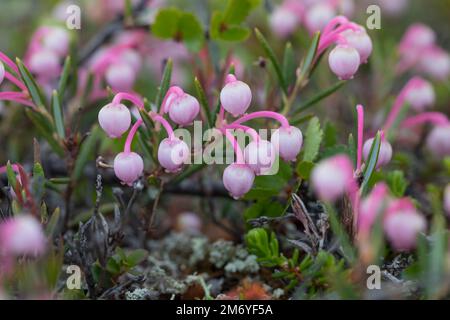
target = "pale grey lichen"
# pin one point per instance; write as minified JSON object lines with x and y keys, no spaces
{"x":140,"y":294}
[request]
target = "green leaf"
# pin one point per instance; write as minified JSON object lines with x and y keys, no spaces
{"x":320,"y":96}
{"x":236,"y":11}
{"x":51,"y":225}
{"x":11,"y":175}
{"x":352,"y":148}
{"x":289,"y":64}
{"x":307,"y":63}
{"x":235,"y":33}
{"x":165,"y":84}
{"x":30,"y":83}
{"x":264,"y":246}
{"x":38,"y":184}
{"x":304,"y":169}
{"x":216,"y":25}
{"x":58,"y":114}
{"x":191,"y":31}
{"x":45,"y":129}
{"x":136,"y":256}
{"x":67,"y":69}
{"x":371,"y":164}
{"x":397,"y":183}
{"x":203,"y":102}
{"x":87,"y":152}
{"x":329,"y":135}
{"x":265,"y":207}
{"x":271,"y":55}
{"x":166,"y":23}
{"x":313,"y":139}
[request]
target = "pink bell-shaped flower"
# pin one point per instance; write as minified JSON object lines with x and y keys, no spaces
{"x":260,"y":156}
{"x":438,"y":141}
{"x":172,"y":154}
{"x":21,"y":235}
{"x":57,"y":40}
{"x":184,"y":109}
{"x":235,"y":96}
{"x":128,"y":166}
{"x":360,"y":40}
{"x":238,"y":179}
{"x":287,"y":142}
{"x":120,"y":76}
{"x":115,"y":119}
{"x":344,"y":61}
{"x":385,"y":154}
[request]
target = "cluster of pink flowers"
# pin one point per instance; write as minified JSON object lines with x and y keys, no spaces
{"x":418,"y":50}
{"x":257,"y":158}
{"x":314,"y":15}
{"x":48,"y":47}
{"x":402,"y":222}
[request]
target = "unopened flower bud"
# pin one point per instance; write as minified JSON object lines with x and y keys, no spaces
{"x":421,"y":96}
{"x":45,"y":63}
{"x":283,"y":21}
{"x":331,"y":178}
{"x":172,"y":154}
{"x":260,"y":156}
{"x":438,"y":141}
{"x":287,"y":142}
{"x":360,"y":40}
{"x":120,"y":76}
{"x":344,"y":61}
{"x":57,"y":40}
{"x":21,"y":235}
{"x":385,"y":154}
{"x":402,"y":227}
{"x":115,"y":119}
{"x":235,"y":96}
{"x":184,"y":109}
{"x":238,"y":179}
{"x":317,"y":16}
{"x":128,"y":166}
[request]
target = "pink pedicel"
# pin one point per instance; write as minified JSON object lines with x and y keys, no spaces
{"x":438,"y":141}
{"x":447,"y":199}
{"x":260,"y":156}
{"x":172,"y":154}
{"x":238,"y":179}
{"x":287,"y":142}
{"x":372,"y":207}
{"x":183,"y":109}
{"x":332,"y":177}
{"x":360,"y":40}
{"x":115,"y":119}
{"x":421,"y":96}
{"x":2,"y":72}
{"x":344,"y":61}
{"x":385,"y":154}
{"x":128,"y":166}
{"x":120,"y":76}
{"x":57,"y":40}
{"x":402,"y":224}
{"x":21,"y":235}
{"x":235,"y":96}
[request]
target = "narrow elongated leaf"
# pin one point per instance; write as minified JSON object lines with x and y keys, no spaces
{"x":371,"y":164}
{"x":320,"y":96}
{"x":38,"y":184}
{"x":86,"y":152}
{"x":45,"y":129}
{"x":58,"y":114}
{"x":65,"y":76}
{"x":289,"y":64}
{"x":271,"y":55}
{"x":53,"y":222}
{"x":30,"y":83}
{"x":203,"y":102}
{"x":307,"y":62}
{"x":11,"y":175}
{"x":165,"y":83}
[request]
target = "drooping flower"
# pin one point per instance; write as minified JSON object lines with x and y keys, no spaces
{"x":385,"y":154}
{"x":172,"y":154}
{"x":235,"y":96}
{"x":128,"y":166}
{"x":115,"y":119}
{"x":287,"y":142}
{"x":238,"y":179}
{"x":344,"y":61}
{"x":260,"y":156}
